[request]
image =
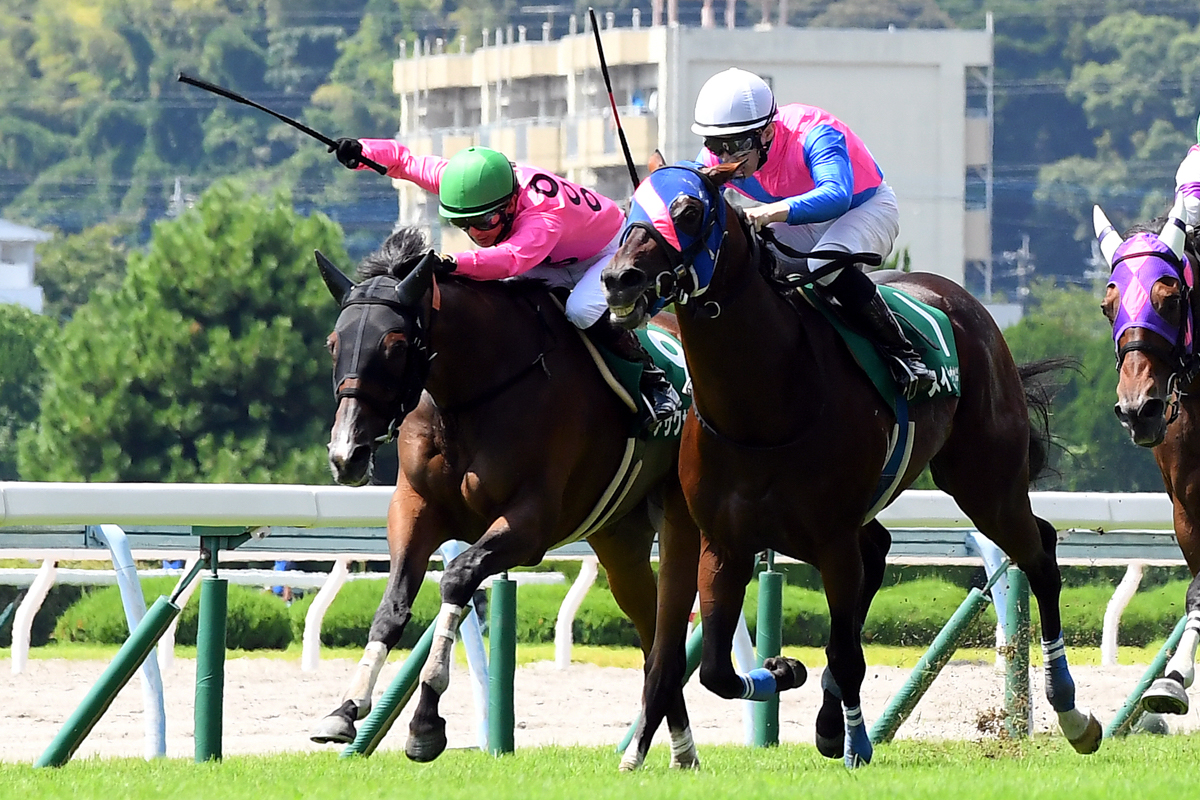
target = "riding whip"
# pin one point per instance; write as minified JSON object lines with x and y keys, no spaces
{"x":300,"y":126}
{"x":633,"y":175}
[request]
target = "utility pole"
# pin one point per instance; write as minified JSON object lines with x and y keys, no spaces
{"x":1024,"y":267}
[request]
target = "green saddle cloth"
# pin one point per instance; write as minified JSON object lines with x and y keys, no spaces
{"x":667,"y":352}
{"x":928,"y":329}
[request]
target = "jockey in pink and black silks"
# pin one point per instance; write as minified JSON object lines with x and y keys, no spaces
{"x":525,"y":222}
{"x":819,"y":188}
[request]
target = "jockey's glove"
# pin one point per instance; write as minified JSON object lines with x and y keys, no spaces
{"x":444,"y":264}
{"x":349,"y":152}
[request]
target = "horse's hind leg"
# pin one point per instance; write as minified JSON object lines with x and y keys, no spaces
{"x":414,"y":531}
{"x":1168,"y":694}
{"x":508,"y":542}
{"x":830,"y":734}
{"x":999,"y":507}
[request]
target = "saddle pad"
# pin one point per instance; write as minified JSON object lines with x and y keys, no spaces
{"x":667,"y":352}
{"x":928,"y":329}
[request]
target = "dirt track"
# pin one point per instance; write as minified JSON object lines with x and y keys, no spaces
{"x":271,"y":705}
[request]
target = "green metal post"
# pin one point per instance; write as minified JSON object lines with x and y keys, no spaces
{"x":1016,"y":661}
{"x":127,"y":661}
{"x":692,"y":657}
{"x":210,"y":668}
{"x":502,"y":665}
{"x":927,"y":669}
{"x":1131,"y":711}
{"x":768,"y":642}
{"x":384,"y":713}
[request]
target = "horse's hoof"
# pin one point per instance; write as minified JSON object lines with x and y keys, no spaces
{"x":831,"y":746}
{"x":334,"y":729}
{"x":1165,"y":696}
{"x":631,"y":761}
{"x":1088,"y":742}
{"x":858,"y":747}
{"x":689,"y":761}
{"x":789,"y":673}
{"x":429,"y":743}
{"x":1154,"y":724}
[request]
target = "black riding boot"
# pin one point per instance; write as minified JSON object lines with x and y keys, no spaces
{"x":866,"y":310}
{"x":658,"y":395}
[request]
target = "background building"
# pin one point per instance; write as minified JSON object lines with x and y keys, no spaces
{"x":17,"y":263}
{"x":920,"y":99}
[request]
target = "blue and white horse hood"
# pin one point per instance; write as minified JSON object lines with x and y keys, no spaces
{"x":650,"y":209}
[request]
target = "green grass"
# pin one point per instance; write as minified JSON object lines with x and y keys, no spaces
{"x":1044,"y":767}
{"x":628,"y":657}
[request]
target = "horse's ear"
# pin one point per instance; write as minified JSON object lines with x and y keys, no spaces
{"x":339,"y":285}
{"x":720,"y":173}
{"x":1109,"y":239}
{"x":656,"y":161}
{"x":417,"y":282}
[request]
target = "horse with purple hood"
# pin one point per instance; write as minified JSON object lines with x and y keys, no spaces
{"x":1151,"y":303}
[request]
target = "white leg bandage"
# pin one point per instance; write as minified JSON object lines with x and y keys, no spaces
{"x":436,"y":673}
{"x":1184,"y":660}
{"x":362,"y":685}
{"x":683,"y":749}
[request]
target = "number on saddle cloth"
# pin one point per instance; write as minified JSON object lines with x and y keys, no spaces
{"x":667,"y":352}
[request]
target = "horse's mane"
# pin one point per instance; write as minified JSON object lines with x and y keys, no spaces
{"x":398,"y":255}
{"x":1156,"y":225}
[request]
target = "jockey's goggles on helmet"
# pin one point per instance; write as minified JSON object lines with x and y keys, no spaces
{"x":482,"y":222}
{"x":732,"y":145}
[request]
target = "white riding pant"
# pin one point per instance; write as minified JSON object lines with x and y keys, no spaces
{"x":586,"y":304}
{"x":870,"y":228}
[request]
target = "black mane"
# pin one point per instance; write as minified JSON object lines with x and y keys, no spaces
{"x":396,"y":255}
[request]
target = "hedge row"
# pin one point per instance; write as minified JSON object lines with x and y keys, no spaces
{"x":904,"y":614}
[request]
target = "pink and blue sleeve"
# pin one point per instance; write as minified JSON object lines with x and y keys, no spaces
{"x":828,"y":162}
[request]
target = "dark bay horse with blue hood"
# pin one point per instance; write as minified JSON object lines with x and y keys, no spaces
{"x":787,"y":440}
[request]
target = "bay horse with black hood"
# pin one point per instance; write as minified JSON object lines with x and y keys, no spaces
{"x":509,"y":439}
{"x":787,"y":438}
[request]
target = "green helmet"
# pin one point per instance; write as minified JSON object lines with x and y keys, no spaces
{"x":476,"y":181}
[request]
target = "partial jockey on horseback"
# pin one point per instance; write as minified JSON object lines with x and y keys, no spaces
{"x":821,"y":190}
{"x":530,"y":223}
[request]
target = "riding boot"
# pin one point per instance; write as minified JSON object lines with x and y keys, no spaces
{"x":658,"y":395}
{"x":913,"y":377}
{"x":863,"y":307}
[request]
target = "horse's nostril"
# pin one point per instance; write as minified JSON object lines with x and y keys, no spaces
{"x":630,"y":279}
{"x":1152,"y":409}
{"x":1120,"y":412}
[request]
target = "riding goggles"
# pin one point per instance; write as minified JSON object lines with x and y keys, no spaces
{"x":483,"y":222}
{"x":732,"y":145}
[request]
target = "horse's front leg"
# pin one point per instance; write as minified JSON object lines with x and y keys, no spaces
{"x":509,"y":541}
{"x":722,"y":582}
{"x":842,"y":576}
{"x":415,"y":529}
{"x":1168,"y":694}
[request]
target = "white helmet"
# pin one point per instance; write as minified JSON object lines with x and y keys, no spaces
{"x":732,"y":102}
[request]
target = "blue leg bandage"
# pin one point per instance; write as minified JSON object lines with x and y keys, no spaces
{"x":758,"y":684}
{"x":858,"y":744}
{"x":1060,"y":688}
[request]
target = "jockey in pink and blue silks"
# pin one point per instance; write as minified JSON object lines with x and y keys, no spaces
{"x":820,"y":189}
{"x":526,"y":222}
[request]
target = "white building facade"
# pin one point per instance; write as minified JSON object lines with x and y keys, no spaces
{"x":920,"y":99}
{"x":17,"y":261}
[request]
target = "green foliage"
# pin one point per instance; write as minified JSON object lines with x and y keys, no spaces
{"x":805,"y":615}
{"x":71,"y":267}
{"x":207,"y":364}
{"x":21,"y":334}
{"x":1096,"y":454}
{"x":255,"y":620}
{"x":348,"y":619}
{"x":58,"y":600}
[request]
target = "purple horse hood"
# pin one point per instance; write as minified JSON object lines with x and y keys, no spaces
{"x":1140,"y":262}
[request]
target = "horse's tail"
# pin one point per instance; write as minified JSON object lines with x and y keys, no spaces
{"x":1040,"y":389}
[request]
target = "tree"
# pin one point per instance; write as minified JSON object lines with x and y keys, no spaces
{"x":21,"y":333}
{"x":207,"y":364}
{"x":1096,"y":453}
{"x":71,"y":267}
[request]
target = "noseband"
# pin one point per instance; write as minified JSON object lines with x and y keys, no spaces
{"x":383,"y":290}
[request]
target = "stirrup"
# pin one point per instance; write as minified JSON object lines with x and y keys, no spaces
{"x":912,"y":377}
{"x":661,"y":402}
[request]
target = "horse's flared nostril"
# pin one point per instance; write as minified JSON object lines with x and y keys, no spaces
{"x":1153,"y":408}
{"x":1121,"y":415}
{"x":631,"y":279}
